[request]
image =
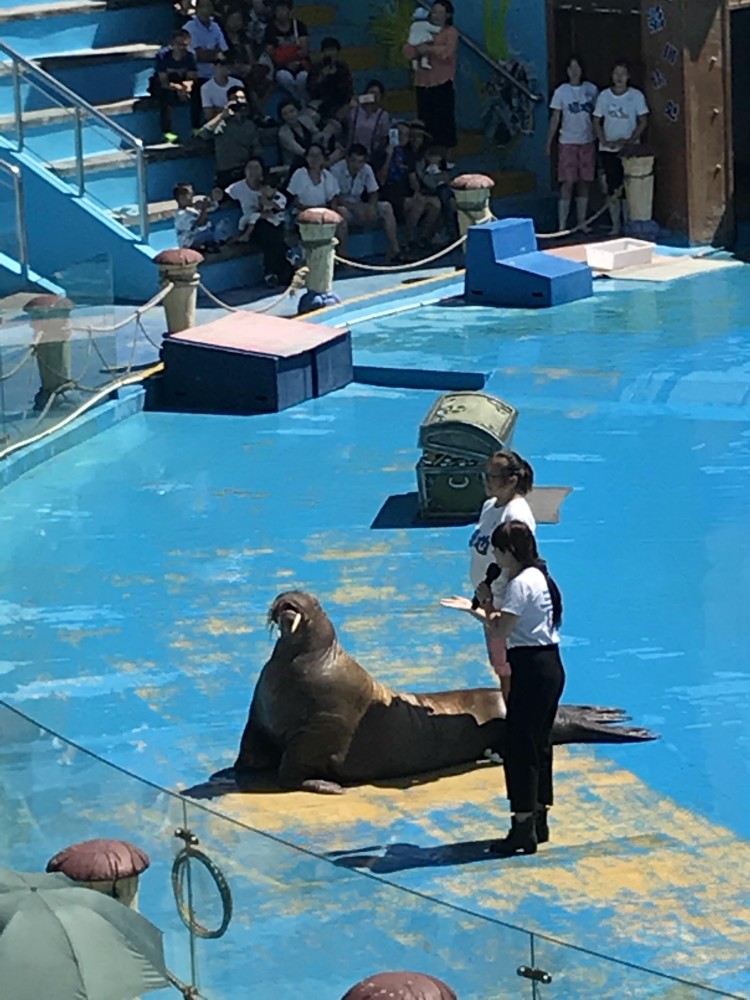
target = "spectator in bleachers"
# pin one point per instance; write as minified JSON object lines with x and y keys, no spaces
{"x":314,"y":186}
{"x":191,"y":222}
{"x":436,"y":95}
{"x":207,"y":39}
{"x":235,"y":137}
{"x":434,"y":183}
{"x":330,"y":84}
{"x":369,"y":123}
{"x":358,"y":199}
{"x":174,"y":83}
{"x":243,"y":63}
{"x":288,"y":45}
{"x":395,"y":171}
{"x":263,"y":217}
{"x":297,"y":133}
{"x":214,"y":91}
{"x":258,"y":19}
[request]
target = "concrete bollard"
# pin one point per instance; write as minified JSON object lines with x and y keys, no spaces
{"x":49,"y":316}
{"x":317,"y":228}
{"x":180,"y":268}
{"x":108,"y":866}
{"x":473,"y":192}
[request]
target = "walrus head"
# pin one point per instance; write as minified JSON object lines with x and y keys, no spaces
{"x":300,"y":618}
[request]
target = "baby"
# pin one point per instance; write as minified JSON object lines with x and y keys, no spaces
{"x":421,"y":31}
{"x":271,"y":206}
{"x":193,"y":227}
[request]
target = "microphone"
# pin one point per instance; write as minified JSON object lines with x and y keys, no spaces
{"x":493,"y":572}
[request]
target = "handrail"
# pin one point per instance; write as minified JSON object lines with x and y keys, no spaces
{"x":23,"y":242}
{"x":80,"y":105}
{"x":498,"y":67}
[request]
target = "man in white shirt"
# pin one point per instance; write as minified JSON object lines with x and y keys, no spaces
{"x":620,"y":119}
{"x":207,"y":38}
{"x":214,"y":91}
{"x":359,"y":197}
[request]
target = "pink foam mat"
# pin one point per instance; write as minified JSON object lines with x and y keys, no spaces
{"x":258,"y":334}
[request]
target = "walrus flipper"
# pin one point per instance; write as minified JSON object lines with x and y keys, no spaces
{"x":592,"y":724}
{"x":313,"y":756}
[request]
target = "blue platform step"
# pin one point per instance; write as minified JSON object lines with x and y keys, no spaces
{"x":505,"y":268}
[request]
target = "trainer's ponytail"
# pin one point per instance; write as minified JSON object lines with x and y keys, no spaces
{"x":554,"y":593}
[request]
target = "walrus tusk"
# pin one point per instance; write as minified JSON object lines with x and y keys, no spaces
{"x":296,"y":623}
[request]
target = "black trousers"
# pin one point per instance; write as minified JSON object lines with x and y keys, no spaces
{"x":168,"y":99}
{"x":537,"y":681}
{"x":614,"y":171}
{"x":436,"y":106}
{"x":273,"y":246}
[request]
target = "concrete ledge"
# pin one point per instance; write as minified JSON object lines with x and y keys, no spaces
{"x":127,"y":402}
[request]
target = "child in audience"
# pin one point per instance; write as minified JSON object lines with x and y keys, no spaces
{"x":192,"y":224}
{"x":421,"y":32}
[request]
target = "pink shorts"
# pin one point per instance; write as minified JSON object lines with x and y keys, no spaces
{"x":576,"y":162}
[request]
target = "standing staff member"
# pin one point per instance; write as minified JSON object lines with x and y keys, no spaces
{"x":528,"y":620}
{"x":508,"y":480}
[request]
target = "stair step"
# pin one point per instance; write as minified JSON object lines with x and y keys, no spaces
{"x":360,"y":57}
{"x":398,"y":102}
{"x":512,"y":182}
{"x":51,"y":116}
{"x":35,"y":11}
{"x":88,"y":57}
{"x":316,"y":15}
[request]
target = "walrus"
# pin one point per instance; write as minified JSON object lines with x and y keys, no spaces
{"x":319,"y":721}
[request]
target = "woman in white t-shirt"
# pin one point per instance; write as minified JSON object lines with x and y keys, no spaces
{"x":528,"y":619}
{"x":572,"y":106}
{"x":314,"y":186}
{"x":620,"y":119}
{"x":508,"y":480}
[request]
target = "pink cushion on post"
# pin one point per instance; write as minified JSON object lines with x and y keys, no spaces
{"x":100,"y":860}
{"x":319,"y":216}
{"x":472,"y":182}
{"x":179,"y":256}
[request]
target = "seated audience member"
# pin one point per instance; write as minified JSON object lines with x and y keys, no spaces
{"x":174,"y":83}
{"x":297,"y":133}
{"x":258,"y":18}
{"x":235,"y":137}
{"x":432,"y":173}
{"x":358,"y":199}
{"x":263,"y":217}
{"x":207,"y":39}
{"x":369,"y":123}
{"x":287,"y":44}
{"x":396,"y":174}
{"x":330,"y":83}
{"x":313,"y":186}
{"x":214,"y":91}
{"x":193,"y":227}
{"x":243,"y":64}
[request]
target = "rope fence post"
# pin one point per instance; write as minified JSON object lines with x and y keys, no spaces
{"x":317,"y":228}
{"x":179,"y":268}
{"x":49,"y":316}
{"x":472,"y":193}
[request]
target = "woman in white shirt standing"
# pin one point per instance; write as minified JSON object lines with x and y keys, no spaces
{"x":572,"y":107}
{"x":620,"y":118}
{"x":528,"y":619}
{"x":508,"y":480}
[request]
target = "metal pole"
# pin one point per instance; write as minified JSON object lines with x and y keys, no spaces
{"x":140,"y":166}
{"x":23,"y":241}
{"x":79,"y":151}
{"x":18,"y":104}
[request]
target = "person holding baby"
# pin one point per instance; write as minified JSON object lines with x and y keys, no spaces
{"x":434,"y":62}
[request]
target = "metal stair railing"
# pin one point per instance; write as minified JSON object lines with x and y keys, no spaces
{"x":20,"y":206}
{"x":20,"y":66}
{"x":477,"y":49}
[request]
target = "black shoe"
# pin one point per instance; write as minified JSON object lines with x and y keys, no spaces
{"x":520,"y":840}
{"x":541,"y":825}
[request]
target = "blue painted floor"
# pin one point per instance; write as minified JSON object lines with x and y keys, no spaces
{"x":138,"y":568}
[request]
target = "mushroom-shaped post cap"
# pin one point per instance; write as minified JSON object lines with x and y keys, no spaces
{"x":179,"y":257}
{"x":401,"y":985}
{"x":319,"y":217}
{"x":100,"y":860}
{"x":48,"y":306}
{"x":472,"y":182}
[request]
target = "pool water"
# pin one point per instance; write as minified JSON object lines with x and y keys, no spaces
{"x":138,"y":568}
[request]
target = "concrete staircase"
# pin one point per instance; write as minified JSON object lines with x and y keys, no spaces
{"x":103,"y":51}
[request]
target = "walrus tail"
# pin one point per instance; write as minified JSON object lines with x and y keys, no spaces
{"x":595,"y":724}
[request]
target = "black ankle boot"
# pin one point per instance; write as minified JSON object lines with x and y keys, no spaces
{"x":520,"y":840}
{"x":541,"y":825}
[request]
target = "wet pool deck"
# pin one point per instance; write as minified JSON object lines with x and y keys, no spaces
{"x":140,"y":565}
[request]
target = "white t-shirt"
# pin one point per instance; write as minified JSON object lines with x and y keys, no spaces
{"x":245,"y":195}
{"x":480,"y":542}
{"x":619,"y":114}
{"x":313,"y":195}
{"x":352,"y":188}
{"x":214,"y":95}
{"x":186,"y":227}
{"x":527,"y":595}
{"x":577,"y":105}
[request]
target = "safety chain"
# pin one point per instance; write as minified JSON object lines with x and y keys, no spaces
{"x":388,"y":268}
{"x":297,"y":282}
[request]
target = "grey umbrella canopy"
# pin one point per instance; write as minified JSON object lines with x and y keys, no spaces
{"x":64,"y":941}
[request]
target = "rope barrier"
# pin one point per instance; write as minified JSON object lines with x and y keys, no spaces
{"x":297,"y":282}
{"x":582,"y":225}
{"x":383,"y":268}
{"x":14,"y":371}
{"x":135,"y":315}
